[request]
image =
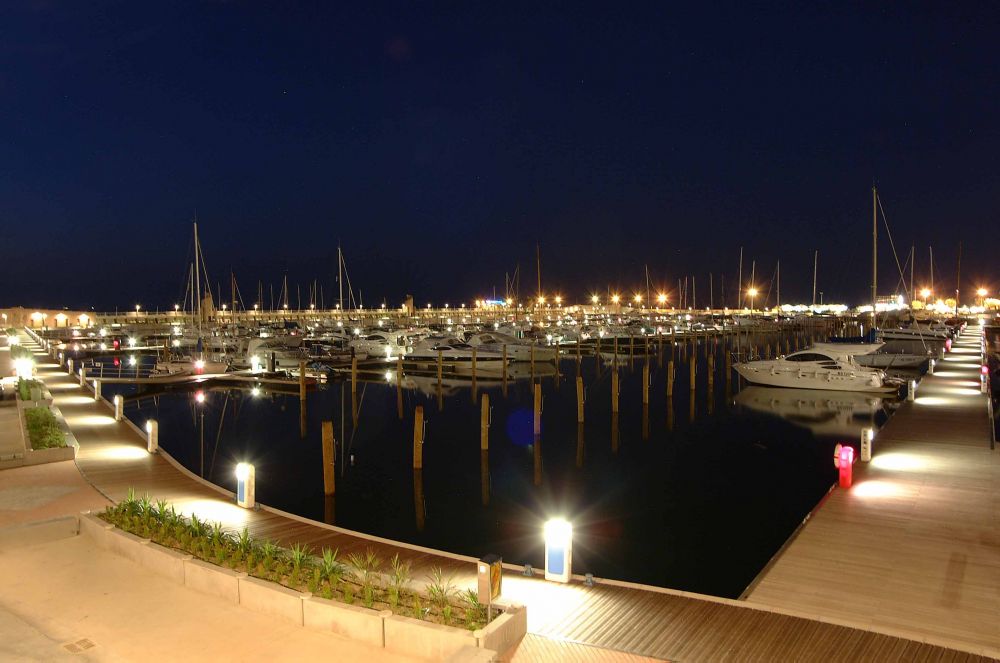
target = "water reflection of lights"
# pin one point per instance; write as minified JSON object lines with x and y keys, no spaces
{"x":899,"y":462}
{"x":876,"y":489}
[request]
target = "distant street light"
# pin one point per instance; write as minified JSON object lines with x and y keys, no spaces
{"x":752,"y":292}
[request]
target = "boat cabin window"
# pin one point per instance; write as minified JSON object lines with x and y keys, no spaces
{"x":807,"y":356}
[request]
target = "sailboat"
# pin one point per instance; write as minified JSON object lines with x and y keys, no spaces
{"x":196,"y":363}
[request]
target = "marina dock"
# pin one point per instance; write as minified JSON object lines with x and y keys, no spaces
{"x":649,"y":621}
{"x":913,"y":548}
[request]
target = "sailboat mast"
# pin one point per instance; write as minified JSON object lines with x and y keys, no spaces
{"x":931,"y":250}
{"x":913,"y":286}
{"x":197,"y":273}
{"x":958,"y":276}
{"x":874,"y":250}
{"x":815,"y":268}
{"x":340,"y":278}
{"x":739,"y":283}
{"x":778,"y":270}
{"x":538,"y":267}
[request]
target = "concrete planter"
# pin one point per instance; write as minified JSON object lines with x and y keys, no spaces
{"x":422,"y":639}
{"x":53,"y":455}
{"x":95,"y":528}
{"x":214,"y":580}
{"x":350,"y":621}
{"x":272,"y":599}
{"x":164,"y":561}
{"x":125,"y":545}
{"x":505,"y":631}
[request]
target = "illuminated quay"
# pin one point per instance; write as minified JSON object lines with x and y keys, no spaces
{"x":900,"y":565}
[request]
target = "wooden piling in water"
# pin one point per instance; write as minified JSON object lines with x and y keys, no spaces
{"x":614,"y":391}
{"x":537,"y":408}
{"x":670,"y":379}
{"x":354,"y":374}
{"x":645,"y":383}
{"x":329,"y":459}
{"x":484,"y":423}
{"x":711,"y":370}
{"x":399,"y":387}
{"x":440,"y":367}
{"x":418,"y":437}
{"x":579,"y":399}
{"x":503,"y":368}
{"x":302,"y":399}
{"x":691,"y":371}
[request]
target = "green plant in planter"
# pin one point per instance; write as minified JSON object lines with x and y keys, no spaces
{"x":440,"y":590}
{"x":268,"y":551}
{"x":475,"y":612}
{"x":331,"y":570}
{"x":418,"y":608}
{"x":348,"y":594}
{"x":367,"y":567}
{"x":298,"y":555}
{"x":399,"y":578}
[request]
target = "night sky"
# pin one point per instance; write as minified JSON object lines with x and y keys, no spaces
{"x":438,"y":142}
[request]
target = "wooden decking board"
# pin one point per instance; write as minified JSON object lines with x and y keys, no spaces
{"x":615,"y":623}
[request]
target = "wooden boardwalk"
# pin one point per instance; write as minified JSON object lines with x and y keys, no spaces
{"x":914,"y":547}
{"x":628,"y":619}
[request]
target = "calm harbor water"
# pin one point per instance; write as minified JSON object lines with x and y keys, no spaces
{"x":695,"y":492}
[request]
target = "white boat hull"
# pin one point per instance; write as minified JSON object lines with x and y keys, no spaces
{"x":808,"y":378}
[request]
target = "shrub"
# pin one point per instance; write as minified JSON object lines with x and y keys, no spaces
{"x":43,"y":430}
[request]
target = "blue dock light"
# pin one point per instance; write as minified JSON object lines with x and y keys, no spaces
{"x":245,"y":489}
{"x":558,"y":550}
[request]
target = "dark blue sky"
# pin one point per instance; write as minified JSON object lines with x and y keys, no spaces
{"x":440,"y":141}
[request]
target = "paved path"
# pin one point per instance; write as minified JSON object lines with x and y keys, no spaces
{"x":913,"y":548}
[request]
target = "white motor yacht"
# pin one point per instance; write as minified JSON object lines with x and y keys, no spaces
{"x":455,"y":352}
{"x":385,"y":344}
{"x":830,"y":367}
{"x":517,"y":349}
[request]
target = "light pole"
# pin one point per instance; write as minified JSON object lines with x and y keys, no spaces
{"x":982,"y":296}
{"x":924,"y":294}
{"x":752,"y":292}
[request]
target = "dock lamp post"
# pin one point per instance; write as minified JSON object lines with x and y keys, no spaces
{"x":982,"y":295}
{"x":558,"y":550}
{"x":245,"y":485}
{"x":924,"y":294}
{"x":752,"y":293}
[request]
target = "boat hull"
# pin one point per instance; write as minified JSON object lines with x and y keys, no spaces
{"x":829,"y":381}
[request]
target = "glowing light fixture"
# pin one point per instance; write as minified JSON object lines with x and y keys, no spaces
{"x":558,"y":550}
{"x":615,"y":299}
{"x":245,"y":488}
{"x":199,"y":397}
{"x":661,"y":298}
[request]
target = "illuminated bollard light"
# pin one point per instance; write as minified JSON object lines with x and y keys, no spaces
{"x":83,"y":375}
{"x":69,"y":366}
{"x":62,"y":358}
{"x":843,"y":459}
{"x":558,"y":550}
{"x":867,"y":438}
{"x":119,"y":406}
{"x":911,"y":390}
{"x":245,"y":489}
{"x":97,"y":390}
{"x":930,"y":366}
{"x":152,"y":436}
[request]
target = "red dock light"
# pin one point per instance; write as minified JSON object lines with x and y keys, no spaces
{"x":985,"y":370}
{"x":947,"y":345}
{"x":843,"y":459}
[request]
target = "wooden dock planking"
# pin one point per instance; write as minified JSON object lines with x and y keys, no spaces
{"x":914,"y":547}
{"x":642,"y":622}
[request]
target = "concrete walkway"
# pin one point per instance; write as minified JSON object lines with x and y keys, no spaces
{"x":913,"y":548}
{"x":69,"y":600}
